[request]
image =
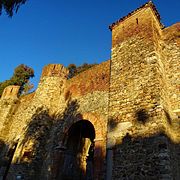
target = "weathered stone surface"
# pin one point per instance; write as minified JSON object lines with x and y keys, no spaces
{"x":129,"y":105}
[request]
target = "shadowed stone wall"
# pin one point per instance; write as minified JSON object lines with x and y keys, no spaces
{"x":41,"y":120}
{"x":143,"y":96}
{"x":131,"y":101}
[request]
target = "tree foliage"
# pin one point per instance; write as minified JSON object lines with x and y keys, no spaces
{"x":74,"y":70}
{"x":11,"y":6}
{"x":27,"y":87}
{"x":21,"y":77}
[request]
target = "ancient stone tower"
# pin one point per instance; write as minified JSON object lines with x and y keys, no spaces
{"x":117,"y":120}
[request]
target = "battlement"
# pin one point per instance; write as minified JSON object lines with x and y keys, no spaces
{"x":116,"y":120}
{"x":10,"y":92}
{"x":143,"y":7}
{"x":56,"y":70}
{"x":140,"y":23}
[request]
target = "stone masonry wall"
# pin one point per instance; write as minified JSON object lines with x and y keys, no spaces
{"x":131,"y":101}
{"x":139,"y":101}
{"x":55,"y":106}
{"x":170,"y":54}
{"x":87,"y":98}
{"x":135,"y":79}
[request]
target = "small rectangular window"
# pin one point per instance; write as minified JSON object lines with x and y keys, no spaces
{"x":137,"y":20}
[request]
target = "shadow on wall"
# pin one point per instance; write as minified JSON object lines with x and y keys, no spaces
{"x":149,"y":157}
{"x":74,"y":156}
{"x":6,"y":156}
{"x":154,"y":157}
{"x":46,"y":149}
{"x":2,"y":147}
{"x":112,"y":124}
{"x":33,"y":148}
{"x":48,"y":143}
{"x":3,"y":159}
{"x":143,"y":117}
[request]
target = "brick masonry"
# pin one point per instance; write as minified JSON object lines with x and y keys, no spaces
{"x":128,"y":107}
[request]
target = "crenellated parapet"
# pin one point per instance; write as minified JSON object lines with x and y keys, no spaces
{"x":10,"y":92}
{"x":118,"y":119}
{"x":51,"y":86}
{"x":55,"y":70}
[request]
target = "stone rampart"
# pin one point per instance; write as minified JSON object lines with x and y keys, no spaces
{"x":116,"y":120}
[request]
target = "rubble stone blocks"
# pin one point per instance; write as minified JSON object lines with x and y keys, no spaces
{"x":116,"y":120}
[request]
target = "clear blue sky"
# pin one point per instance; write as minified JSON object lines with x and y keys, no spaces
{"x":66,"y":31}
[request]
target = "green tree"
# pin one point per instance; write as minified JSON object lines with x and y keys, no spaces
{"x":27,"y":87}
{"x":21,"y":77}
{"x":11,"y":6}
{"x":72,"y":70}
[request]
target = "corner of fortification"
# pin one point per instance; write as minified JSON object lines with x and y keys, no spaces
{"x":52,"y":84}
{"x":141,"y":23}
{"x":55,"y":70}
{"x":10,"y":92}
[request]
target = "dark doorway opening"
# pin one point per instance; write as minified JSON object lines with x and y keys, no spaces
{"x":78,"y":157}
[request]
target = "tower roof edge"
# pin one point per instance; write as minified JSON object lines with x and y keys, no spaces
{"x":148,"y":4}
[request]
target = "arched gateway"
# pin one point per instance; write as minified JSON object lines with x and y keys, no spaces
{"x":79,"y":153}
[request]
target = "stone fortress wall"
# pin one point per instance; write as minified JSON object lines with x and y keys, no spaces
{"x":144,"y":97}
{"x":126,"y":109}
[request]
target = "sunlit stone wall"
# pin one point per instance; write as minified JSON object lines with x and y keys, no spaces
{"x":132,"y":102}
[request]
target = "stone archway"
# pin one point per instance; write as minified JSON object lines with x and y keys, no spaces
{"x":78,"y":156}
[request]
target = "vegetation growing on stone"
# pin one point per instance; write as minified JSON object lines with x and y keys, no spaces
{"x":21,"y":76}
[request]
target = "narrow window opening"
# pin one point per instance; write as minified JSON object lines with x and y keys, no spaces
{"x":53,"y":70}
{"x":11,"y":90}
{"x":137,"y":22}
